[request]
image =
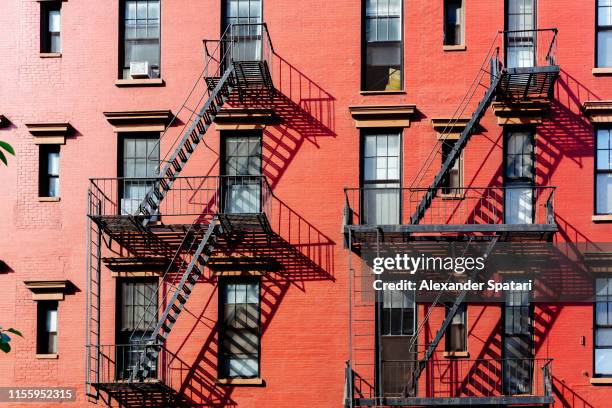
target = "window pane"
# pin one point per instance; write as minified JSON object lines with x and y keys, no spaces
{"x":604,"y":194}
{"x":54,"y":187}
{"x":53,"y":163}
{"x":51,"y":321}
{"x":604,"y":48}
{"x":603,"y":361}
{"x":54,"y":21}
{"x":604,"y":14}
{"x":603,"y":337}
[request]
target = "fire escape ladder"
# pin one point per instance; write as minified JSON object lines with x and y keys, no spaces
{"x":455,"y":153}
{"x":176,"y":303}
{"x":192,"y":136}
{"x":431,"y":348}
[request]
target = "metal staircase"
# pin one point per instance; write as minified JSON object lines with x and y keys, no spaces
{"x":176,"y":301}
{"x":187,"y":144}
{"x":431,"y":348}
{"x":241,"y":60}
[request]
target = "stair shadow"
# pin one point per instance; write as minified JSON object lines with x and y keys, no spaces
{"x":566,"y":397}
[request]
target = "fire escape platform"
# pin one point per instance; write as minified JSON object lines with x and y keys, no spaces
{"x":138,"y":394}
{"x":528,"y":83}
{"x":248,"y":76}
{"x":517,"y":400}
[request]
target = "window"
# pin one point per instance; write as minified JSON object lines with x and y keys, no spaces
{"x":50,"y":27}
{"x":519,"y":177}
{"x":136,"y":319}
{"x":603,"y":171}
{"x":242,"y":173}
{"x":138,"y":161}
{"x":517,"y":352}
{"x":456,"y":333}
{"x":520,"y":23}
{"x":381,"y":177}
{"x":383,"y":45}
{"x":398,"y":313}
{"x":141,"y":38}
{"x":244,"y":12}
{"x":453,"y":22}
{"x":604,"y":34}
{"x":603,"y":327}
{"x":49,"y":167}
{"x":46,"y":341}
{"x":240,"y":329}
{"x":453,"y":180}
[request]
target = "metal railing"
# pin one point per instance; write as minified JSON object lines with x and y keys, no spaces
{"x":530,"y":48}
{"x":189,"y":197}
{"x":239,"y":42}
{"x":464,"y":205}
{"x":458,"y":378}
{"x":117,"y":362}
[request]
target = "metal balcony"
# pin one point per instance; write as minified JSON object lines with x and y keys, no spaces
{"x":521,"y":211}
{"x":455,"y":382}
{"x":115,"y":364}
{"x":530,"y":66}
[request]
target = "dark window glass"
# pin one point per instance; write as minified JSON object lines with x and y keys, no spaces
{"x":603,"y":326}
{"x":398,"y":313}
{"x":46,"y":342}
{"x":139,"y":161}
{"x":50,"y":27}
{"x":381,"y":177}
{"x":242,"y":174}
{"x":604,"y":33}
{"x":519,"y":178}
{"x":136,"y":319}
{"x":240,"y":329}
{"x":518,"y":353}
{"x":141,"y":38}
{"x":603,"y":171}
{"x":49,"y":167}
{"x":456,"y":333}
{"x":453,"y":22}
{"x":452,"y":181}
{"x":383,"y":45}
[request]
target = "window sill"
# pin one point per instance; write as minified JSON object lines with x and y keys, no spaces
{"x":47,"y":356}
{"x":451,"y":196}
{"x":382,"y":92}
{"x":140,"y":82}
{"x":456,"y":354}
{"x":461,"y":47}
{"x":601,"y":381}
{"x":48,"y":199}
{"x":602,"y":71}
{"x":240,"y":381}
{"x":602,"y":218}
{"x":50,"y":55}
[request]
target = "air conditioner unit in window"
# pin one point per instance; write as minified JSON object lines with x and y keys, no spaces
{"x":140,"y":69}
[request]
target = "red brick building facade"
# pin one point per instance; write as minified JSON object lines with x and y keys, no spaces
{"x":293,"y":102}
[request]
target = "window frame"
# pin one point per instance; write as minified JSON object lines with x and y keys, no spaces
{"x":44,"y":176}
{"x":222,"y":283}
{"x":121,"y":42}
{"x":362,"y":182}
{"x":507,"y":28}
{"x":597,"y":326}
{"x":461,"y":24}
{"x":364,"y":50}
{"x":595,"y":161}
{"x":45,"y":35}
{"x":598,"y":29}
{"x":463,"y":308}
{"x":520,"y":181}
{"x":459,"y":190}
{"x":42,"y":334}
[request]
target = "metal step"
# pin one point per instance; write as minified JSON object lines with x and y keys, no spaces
{"x":177,"y":302}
